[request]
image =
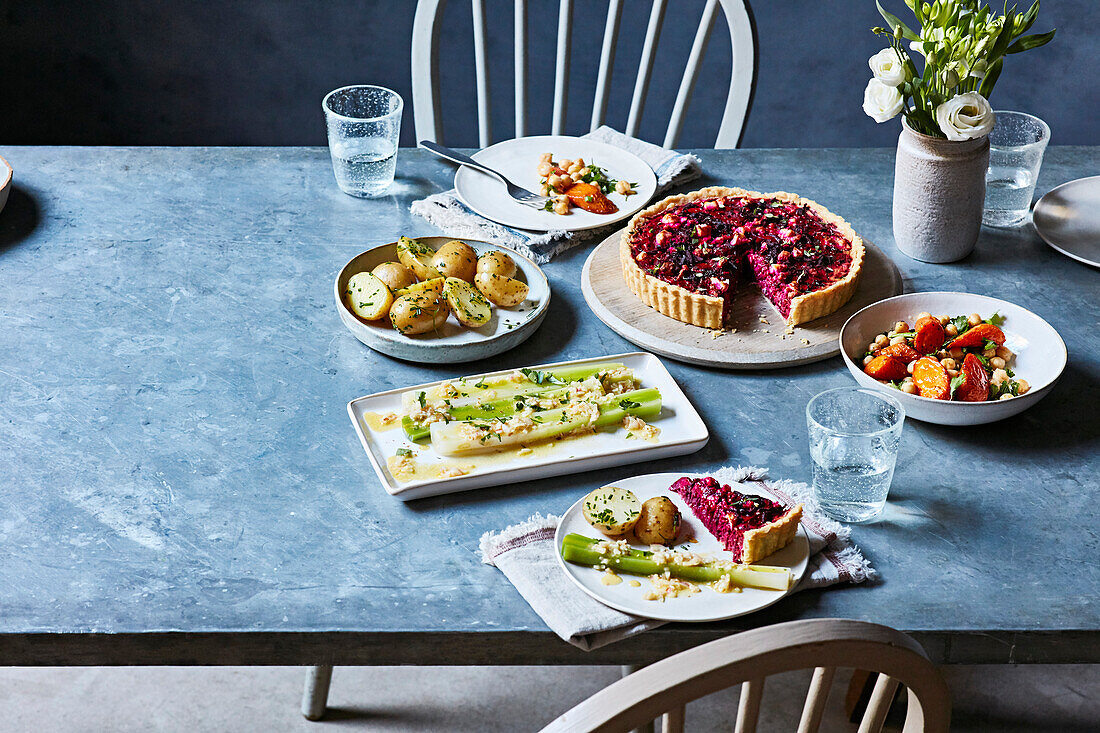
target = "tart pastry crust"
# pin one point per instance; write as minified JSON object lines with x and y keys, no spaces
{"x":707,"y":311}
{"x":774,"y":536}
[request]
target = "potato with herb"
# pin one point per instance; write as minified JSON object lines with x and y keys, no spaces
{"x":456,"y":259}
{"x":418,"y":313}
{"x":395,"y":275}
{"x":368,"y":297}
{"x":417,"y":257}
{"x":432,"y":287}
{"x":611,"y":510}
{"x":494,"y":280}
{"x":470,"y":306}
{"x":658,"y":522}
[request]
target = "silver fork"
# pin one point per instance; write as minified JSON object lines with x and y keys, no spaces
{"x":520,"y":194}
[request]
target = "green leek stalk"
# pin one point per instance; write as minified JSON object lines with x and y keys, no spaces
{"x":457,"y":438}
{"x":580,"y":550}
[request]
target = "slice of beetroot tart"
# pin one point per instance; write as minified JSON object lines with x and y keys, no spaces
{"x":749,"y":526}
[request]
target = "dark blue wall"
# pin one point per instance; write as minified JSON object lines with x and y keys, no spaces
{"x":237,"y":72}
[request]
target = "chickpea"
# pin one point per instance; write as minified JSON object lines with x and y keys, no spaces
{"x":1005,"y":353}
{"x":901,"y":327}
{"x":974,"y":319}
{"x":997,"y":362}
{"x":566,"y":181}
{"x":546,"y":158}
{"x":873,"y":347}
{"x":923,"y":314}
{"x":580,"y":162}
{"x":909,"y":388}
{"x":1022,"y":386}
{"x":581,"y":173}
{"x":989,"y":353}
{"x":1005,"y":396}
{"x":561,"y":205}
{"x":944,"y":320}
{"x":545,"y":169}
{"x":941,"y":354}
{"x":565,"y":164}
{"x":951,"y":330}
{"x":625,"y":188}
{"x":881,"y":339}
{"x":554,"y":181}
{"x":910,"y":366}
{"x":575,"y":170}
{"x":949,"y":364}
{"x":955,"y":353}
{"x":868,"y":359}
{"x":546,"y":190}
{"x":897,"y":340}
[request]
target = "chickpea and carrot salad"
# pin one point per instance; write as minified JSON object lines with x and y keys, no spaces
{"x":958,"y":358}
{"x":568,"y":183}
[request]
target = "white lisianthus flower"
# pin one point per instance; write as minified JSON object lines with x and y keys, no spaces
{"x":881,"y":102}
{"x":888,"y":67}
{"x":965,"y":117}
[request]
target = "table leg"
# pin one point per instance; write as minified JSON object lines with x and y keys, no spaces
{"x":315,"y":695}
{"x":630,"y":669}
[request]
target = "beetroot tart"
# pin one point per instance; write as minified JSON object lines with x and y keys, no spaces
{"x":749,"y":526}
{"x":688,"y":255}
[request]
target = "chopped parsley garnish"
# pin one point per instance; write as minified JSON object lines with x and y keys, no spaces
{"x":996,"y":319}
{"x":480,"y":384}
{"x":538,"y":377}
{"x":962,"y":323}
{"x":404,"y":452}
{"x":956,"y":382}
{"x":629,"y":404}
{"x":423,"y":402}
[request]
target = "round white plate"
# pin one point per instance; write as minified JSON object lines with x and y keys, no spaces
{"x":706,"y":605}
{"x":517,"y":159}
{"x":452,"y":343}
{"x":5,"y":182}
{"x":1068,"y":219}
{"x":1040,"y":353}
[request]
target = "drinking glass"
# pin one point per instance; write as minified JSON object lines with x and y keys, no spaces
{"x":854,"y":438}
{"x":1016,"y":148}
{"x":364,"y":123}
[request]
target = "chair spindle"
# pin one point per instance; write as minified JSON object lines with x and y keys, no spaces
{"x":561,"y":66}
{"x":521,"y":68}
{"x":882,"y":697}
{"x":748,"y":707}
{"x":484,"y":120}
{"x":816,"y":697}
{"x":645,"y":66}
{"x":691,"y":73}
{"x":607,"y":62}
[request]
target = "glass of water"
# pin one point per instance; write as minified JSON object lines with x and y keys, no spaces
{"x":364,"y":123}
{"x":854,"y":437}
{"x":1016,"y":148}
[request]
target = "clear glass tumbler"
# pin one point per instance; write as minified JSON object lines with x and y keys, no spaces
{"x":854,"y":438}
{"x":1016,"y":148}
{"x":364,"y":123}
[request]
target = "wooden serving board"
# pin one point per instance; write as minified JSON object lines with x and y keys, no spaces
{"x":760,"y":340}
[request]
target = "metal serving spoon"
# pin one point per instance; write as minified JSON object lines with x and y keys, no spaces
{"x":519,"y":193}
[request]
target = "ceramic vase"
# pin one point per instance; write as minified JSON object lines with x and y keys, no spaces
{"x":939,"y":192}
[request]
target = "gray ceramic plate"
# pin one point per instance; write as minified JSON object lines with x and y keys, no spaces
{"x":452,"y":343}
{"x":1068,"y":219}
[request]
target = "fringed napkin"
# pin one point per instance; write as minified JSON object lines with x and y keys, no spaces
{"x":446,"y":211}
{"x":525,"y":553}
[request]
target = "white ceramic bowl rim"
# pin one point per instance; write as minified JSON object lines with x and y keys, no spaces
{"x":1064,"y":353}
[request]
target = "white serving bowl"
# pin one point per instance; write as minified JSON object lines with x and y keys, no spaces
{"x":1040,"y":353}
{"x":452,"y":343}
{"x":5,"y":182}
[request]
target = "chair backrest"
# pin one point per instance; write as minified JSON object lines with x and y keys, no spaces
{"x":425,"y":69}
{"x":748,"y":658}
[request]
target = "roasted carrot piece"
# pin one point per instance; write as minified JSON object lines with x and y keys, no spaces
{"x":931,"y":379}
{"x":590,"y":198}
{"x":975,"y":386}
{"x":902,"y":352}
{"x":930,"y":335}
{"x":977,"y":336}
{"x":886,"y":368}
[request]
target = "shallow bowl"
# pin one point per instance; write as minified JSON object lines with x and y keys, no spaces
{"x":1040,"y":353}
{"x":452,"y":343}
{"x":5,"y":182}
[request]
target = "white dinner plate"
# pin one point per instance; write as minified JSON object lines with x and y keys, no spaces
{"x":518,"y":159}
{"x":707,"y":604}
{"x":682,"y":432}
{"x":1040,"y":353}
{"x":1068,"y":219}
{"x":452,"y":342}
{"x":5,"y":182}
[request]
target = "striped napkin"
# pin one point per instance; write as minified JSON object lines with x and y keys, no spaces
{"x":525,"y":553}
{"x":447,"y":212}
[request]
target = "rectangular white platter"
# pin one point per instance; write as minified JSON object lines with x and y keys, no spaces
{"x":682,"y":432}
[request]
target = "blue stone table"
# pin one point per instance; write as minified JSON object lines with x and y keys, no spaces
{"x":180,"y":484}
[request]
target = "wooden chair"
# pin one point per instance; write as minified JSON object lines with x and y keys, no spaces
{"x":664,"y":688}
{"x":425,"y":69}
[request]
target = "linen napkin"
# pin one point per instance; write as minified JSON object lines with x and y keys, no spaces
{"x":525,"y":553}
{"x":446,"y":211}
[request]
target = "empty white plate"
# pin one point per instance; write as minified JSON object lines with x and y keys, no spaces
{"x":518,"y":160}
{"x":1068,"y":219}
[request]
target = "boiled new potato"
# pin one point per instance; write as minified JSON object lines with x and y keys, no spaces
{"x":433,"y":286}
{"x":418,"y":313}
{"x":470,"y":306}
{"x":395,"y":275}
{"x":494,"y":280}
{"x":417,"y":257}
{"x":368,"y":297}
{"x":658,"y":522}
{"x":611,"y":510}
{"x":456,"y":259}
